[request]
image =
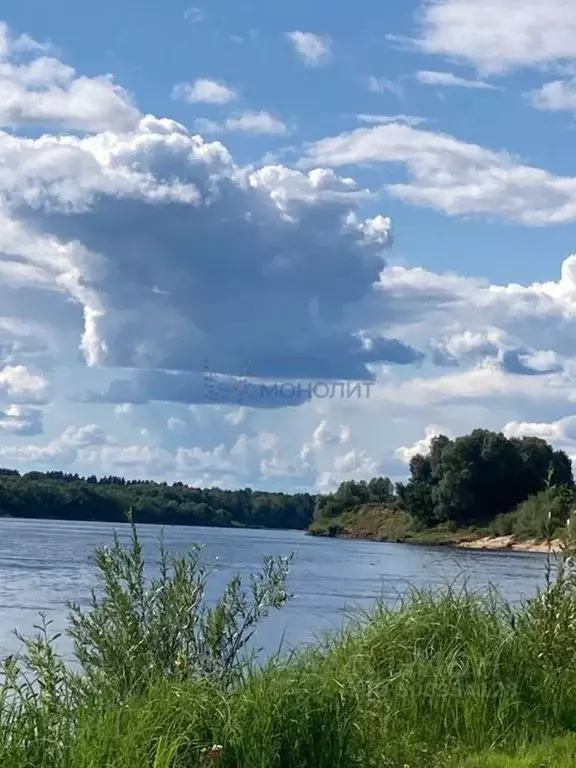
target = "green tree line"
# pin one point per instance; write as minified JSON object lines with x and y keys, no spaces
{"x":470,"y":480}
{"x":57,"y":495}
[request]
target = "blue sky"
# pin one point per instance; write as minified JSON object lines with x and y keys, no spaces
{"x":308,"y":193}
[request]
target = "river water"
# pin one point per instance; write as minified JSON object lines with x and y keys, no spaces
{"x":44,"y":564}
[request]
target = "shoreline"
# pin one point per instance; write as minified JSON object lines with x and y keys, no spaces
{"x":464,"y":541}
{"x":509,"y":543}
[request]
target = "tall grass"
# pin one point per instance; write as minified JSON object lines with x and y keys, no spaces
{"x":445,"y":679}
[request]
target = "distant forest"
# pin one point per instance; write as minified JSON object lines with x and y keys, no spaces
{"x":57,"y":495}
{"x":470,"y":480}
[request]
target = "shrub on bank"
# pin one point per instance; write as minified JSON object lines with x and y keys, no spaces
{"x":542,"y":516}
{"x":448,"y":679}
{"x":370,"y":521}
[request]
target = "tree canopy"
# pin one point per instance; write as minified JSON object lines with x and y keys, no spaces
{"x":469,"y":480}
{"x":64,"y":496}
{"x":351,"y":493}
{"x":479,"y":476}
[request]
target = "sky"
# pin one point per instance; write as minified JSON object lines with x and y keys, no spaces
{"x":247,"y":244}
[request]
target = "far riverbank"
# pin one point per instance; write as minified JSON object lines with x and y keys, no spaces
{"x":491,"y":543}
{"x":393,"y":526}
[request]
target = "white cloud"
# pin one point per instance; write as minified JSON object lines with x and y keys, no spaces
{"x":313,"y":49}
{"x":123,"y":409}
{"x":500,"y":35}
{"x":561,"y":434}
{"x":246,"y":122}
{"x":86,"y":104}
{"x":356,"y":464}
{"x":454,"y":176}
{"x":559,"y":95}
{"x":45,"y":91}
{"x":53,"y":453}
{"x":427,"y":77}
{"x":267,"y":441}
{"x":22,"y":339}
{"x":19,"y":385}
{"x":195,"y":459}
{"x":286,"y":185}
{"x":323,"y":437}
{"x":139,"y":461}
{"x":175,"y":424}
{"x":10,"y":44}
{"x":383,"y":84}
{"x":90,"y":434}
{"x":260,"y":452}
{"x":472,"y":345}
{"x":376,"y":230}
{"x":204,"y":91}
{"x":406,"y":453}
{"x":89,"y":449}
{"x":562,"y":430}
{"x":237,"y":416}
{"x":278,"y":467}
{"x":21,"y":420}
{"x":483,"y":383}
{"x":469,"y":320}
{"x":323,"y":459}
{"x":62,"y":451}
{"x":224,"y":465}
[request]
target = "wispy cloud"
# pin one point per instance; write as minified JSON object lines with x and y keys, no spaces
{"x":453,"y":176}
{"x":194,"y":15}
{"x":427,"y":77}
{"x":384,"y":119}
{"x":314,"y":50}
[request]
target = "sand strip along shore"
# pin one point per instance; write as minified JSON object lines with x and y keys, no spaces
{"x":509,"y":543}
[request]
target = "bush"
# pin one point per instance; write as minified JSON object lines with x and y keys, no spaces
{"x":138,"y":628}
{"x":542,"y":516}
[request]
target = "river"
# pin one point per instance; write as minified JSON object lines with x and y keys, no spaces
{"x":44,"y":564}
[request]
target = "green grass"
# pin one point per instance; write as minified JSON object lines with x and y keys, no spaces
{"x":558,"y":753}
{"x":369,"y":521}
{"x":448,"y":679}
{"x":380,"y":523}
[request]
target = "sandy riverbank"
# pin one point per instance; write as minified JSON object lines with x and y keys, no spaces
{"x":510,"y":543}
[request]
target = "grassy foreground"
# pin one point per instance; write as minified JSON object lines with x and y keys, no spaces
{"x":444,"y":680}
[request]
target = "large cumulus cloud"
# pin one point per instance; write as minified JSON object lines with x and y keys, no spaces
{"x":140,"y":245}
{"x":177,"y":255}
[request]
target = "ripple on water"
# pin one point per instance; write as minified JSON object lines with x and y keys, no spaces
{"x":45,"y":564}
